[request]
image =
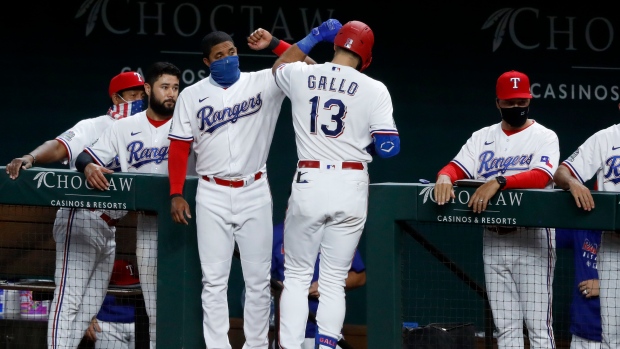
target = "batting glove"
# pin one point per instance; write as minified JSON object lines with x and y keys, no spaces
{"x":325,"y":32}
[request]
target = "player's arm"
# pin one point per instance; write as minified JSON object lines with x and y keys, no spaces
{"x":355,"y":279}
{"x":299,"y":51}
{"x":93,"y":328}
{"x":48,"y":152}
{"x":566,"y":179}
{"x":261,"y":39}
{"x":444,"y":189}
{"x":93,"y":172}
{"x":177,"y":171}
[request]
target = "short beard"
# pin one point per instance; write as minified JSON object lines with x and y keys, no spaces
{"x":161,"y":109}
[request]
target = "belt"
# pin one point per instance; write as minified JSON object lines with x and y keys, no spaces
{"x":109,"y":220}
{"x":234,"y":183}
{"x":502,"y":230}
{"x":345,"y":165}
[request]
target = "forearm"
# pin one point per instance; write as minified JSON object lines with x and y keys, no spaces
{"x":177,"y":165}
{"x":355,"y":280}
{"x":49,"y":152}
{"x":563,"y":177}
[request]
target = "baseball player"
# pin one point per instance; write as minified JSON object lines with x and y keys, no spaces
{"x":114,"y":327}
{"x":519,"y":262}
{"x":356,"y":277}
{"x":85,"y":245}
{"x":141,"y":145}
{"x":597,"y":156}
{"x":585,"y":307}
{"x":337,"y":113}
{"x":229,"y":118}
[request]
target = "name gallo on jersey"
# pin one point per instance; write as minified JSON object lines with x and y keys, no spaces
{"x":211,"y":119}
{"x":322,"y":85}
{"x":491,"y":165}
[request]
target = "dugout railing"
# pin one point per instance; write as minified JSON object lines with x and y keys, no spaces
{"x":394,"y":210}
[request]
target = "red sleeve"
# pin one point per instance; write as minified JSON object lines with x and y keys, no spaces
{"x":177,"y":165}
{"x":454,"y":171}
{"x":533,"y":179}
{"x":282,"y":46}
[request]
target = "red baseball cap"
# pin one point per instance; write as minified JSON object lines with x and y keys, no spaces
{"x":513,"y":84}
{"x":124,"y":273}
{"x":124,"y":81}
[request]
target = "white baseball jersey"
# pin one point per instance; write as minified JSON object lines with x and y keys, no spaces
{"x":140,"y":147}
{"x":600,"y":155}
{"x":85,"y":250}
{"x":519,"y":264}
{"x":83,"y":134}
{"x":337,"y":111}
{"x":489,"y":152}
{"x":231,"y":130}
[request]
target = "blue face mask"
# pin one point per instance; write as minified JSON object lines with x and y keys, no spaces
{"x":226,"y":71}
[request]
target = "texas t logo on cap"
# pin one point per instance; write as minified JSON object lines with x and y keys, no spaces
{"x":513,"y":84}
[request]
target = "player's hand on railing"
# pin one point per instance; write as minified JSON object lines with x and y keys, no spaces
{"x":94,"y":176}
{"x":13,"y":167}
{"x":443,"y":190}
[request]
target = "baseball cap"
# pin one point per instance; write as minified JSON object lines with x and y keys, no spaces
{"x":124,"y":274}
{"x":513,"y":84}
{"x":124,"y":81}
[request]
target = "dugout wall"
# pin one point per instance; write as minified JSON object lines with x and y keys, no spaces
{"x":397,"y":265}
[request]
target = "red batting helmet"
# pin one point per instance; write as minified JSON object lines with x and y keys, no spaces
{"x":513,"y":84}
{"x":124,"y":81}
{"x":357,"y":37}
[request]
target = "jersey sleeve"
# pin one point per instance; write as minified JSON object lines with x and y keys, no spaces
{"x":466,"y":158}
{"x":181,"y":128}
{"x":382,"y":118}
{"x":76,"y":139}
{"x":105,"y":149}
{"x":547,"y":156}
{"x":583,"y":162}
{"x":283,"y":76}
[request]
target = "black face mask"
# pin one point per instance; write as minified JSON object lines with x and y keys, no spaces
{"x":515,"y":116}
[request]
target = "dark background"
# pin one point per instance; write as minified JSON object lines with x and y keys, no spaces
{"x":437,"y":59}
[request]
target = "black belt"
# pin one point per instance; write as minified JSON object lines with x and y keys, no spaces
{"x":502,"y":230}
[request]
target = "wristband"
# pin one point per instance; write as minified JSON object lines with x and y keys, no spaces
{"x":306,"y":44}
{"x":273,"y":43}
{"x":175,"y":196}
{"x":282,"y":46}
{"x":34,"y":159}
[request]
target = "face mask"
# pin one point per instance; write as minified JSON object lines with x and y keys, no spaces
{"x":226,"y":71}
{"x":515,"y":116}
{"x":124,"y":110}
